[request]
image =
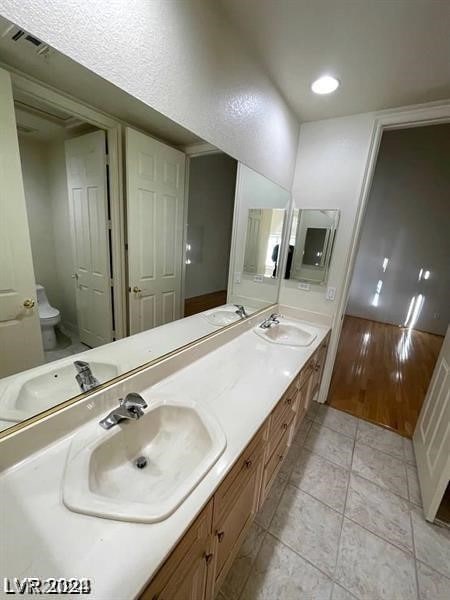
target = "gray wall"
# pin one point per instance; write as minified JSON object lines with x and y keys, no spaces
{"x":407,"y":221}
{"x":212,"y":181}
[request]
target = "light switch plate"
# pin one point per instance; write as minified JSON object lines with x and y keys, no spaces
{"x":304,"y":286}
{"x":331,"y":293}
{"x":237,"y":277}
{"x":258,"y":278}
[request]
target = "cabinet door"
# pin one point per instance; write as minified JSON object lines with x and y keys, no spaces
{"x":187,"y":573}
{"x":232,"y":527}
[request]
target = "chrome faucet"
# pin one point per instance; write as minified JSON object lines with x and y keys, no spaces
{"x":241,"y":311}
{"x":85,"y":377}
{"x":272,"y":320}
{"x":132,"y":408}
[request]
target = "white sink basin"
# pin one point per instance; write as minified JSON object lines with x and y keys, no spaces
{"x":288,"y":333}
{"x":33,"y":392}
{"x":222,"y":317}
{"x":179,"y":443}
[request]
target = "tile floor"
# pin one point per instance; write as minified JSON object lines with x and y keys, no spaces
{"x":71,"y":345}
{"x":343,"y":521}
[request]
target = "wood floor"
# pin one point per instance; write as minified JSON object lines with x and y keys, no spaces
{"x":382,"y":372}
{"x":197,"y":304}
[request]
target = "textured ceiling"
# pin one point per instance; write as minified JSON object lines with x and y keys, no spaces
{"x":386,"y":53}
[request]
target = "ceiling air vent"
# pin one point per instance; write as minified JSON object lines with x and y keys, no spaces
{"x":25,"y":40}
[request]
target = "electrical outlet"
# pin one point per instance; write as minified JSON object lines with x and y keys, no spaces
{"x":258,"y":278}
{"x":330,"y":294}
{"x":304,"y":286}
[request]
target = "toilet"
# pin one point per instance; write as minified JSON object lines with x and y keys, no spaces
{"x":49,"y":317}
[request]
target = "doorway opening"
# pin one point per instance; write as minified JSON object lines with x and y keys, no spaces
{"x":397,"y":311}
{"x":211,"y":193}
{"x":64,"y":172}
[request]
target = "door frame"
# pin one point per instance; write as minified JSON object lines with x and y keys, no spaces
{"x":191,"y":151}
{"x":434,"y":113}
{"x":113,"y":130}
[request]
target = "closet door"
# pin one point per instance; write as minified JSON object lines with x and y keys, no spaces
{"x":432,"y":435}
{"x":155,"y":204}
{"x":20,"y":334}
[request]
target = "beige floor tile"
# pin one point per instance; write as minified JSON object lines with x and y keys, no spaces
{"x":432,"y":585}
{"x":330,"y":444}
{"x":371,"y":568}
{"x":336,"y":419}
{"x":380,"y":511}
{"x":381,"y":439}
{"x":432,"y":543}
{"x":381,"y":468}
{"x":320,"y":478}
{"x":280,"y":574}
{"x":308,"y":527}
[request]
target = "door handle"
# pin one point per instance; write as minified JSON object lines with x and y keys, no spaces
{"x":29,"y":303}
{"x":137,"y":290}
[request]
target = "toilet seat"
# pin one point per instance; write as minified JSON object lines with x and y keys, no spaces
{"x":49,"y":316}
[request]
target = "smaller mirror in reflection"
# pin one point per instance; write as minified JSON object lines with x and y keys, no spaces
{"x":263,"y":240}
{"x":311,"y":245}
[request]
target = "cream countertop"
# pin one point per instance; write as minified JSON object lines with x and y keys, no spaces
{"x":239,"y":383}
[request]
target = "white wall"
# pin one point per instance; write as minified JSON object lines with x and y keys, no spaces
{"x":57,"y":178}
{"x":39,"y":211}
{"x":407,"y":221}
{"x":183,"y":59}
{"x":212,"y":182}
{"x":45,"y":184}
{"x":331,"y":163}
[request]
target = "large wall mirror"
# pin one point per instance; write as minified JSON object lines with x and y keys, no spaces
{"x":311,"y":245}
{"x":122,"y":235}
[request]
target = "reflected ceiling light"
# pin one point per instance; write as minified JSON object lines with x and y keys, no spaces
{"x":420,"y":274}
{"x":325,"y":85}
{"x":426,"y":275}
{"x":385,"y":264}
{"x":410,"y":309}
{"x":417,"y":310}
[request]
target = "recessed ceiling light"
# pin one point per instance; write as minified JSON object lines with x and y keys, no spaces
{"x":325,"y":85}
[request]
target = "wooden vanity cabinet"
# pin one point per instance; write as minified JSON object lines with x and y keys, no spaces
{"x":235,"y":504}
{"x":197,"y":567}
{"x":188,"y":572}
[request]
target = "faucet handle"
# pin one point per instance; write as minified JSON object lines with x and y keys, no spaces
{"x":81,"y":365}
{"x":133,"y":400}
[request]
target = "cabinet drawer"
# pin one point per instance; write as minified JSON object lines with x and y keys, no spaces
{"x":306,"y":372}
{"x":246,"y":464}
{"x":281,"y":412}
{"x":279,"y":429}
{"x":274,"y":463}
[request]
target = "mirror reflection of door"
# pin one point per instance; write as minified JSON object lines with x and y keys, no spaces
{"x":155,"y":204}
{"x":88,"y":206}
{"x":19,"y":318}
{"x":263,"y":241}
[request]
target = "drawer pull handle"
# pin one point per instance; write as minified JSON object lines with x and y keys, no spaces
{"x":284,"y":426}
{"x":280,"y":457}
{"x":208,"y":557}
{"x":248,"y":463}
{"x":220,"y":535}
{"x":289,"y":401}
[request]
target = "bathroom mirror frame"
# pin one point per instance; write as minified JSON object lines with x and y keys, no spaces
{"x":330,"y":246}
{"x":66,"y":403}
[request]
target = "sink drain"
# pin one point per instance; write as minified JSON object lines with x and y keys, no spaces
{"x":141,"y":462}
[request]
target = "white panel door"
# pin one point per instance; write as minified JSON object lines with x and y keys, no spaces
{"x":432,"y":435}
{"x":20,"y":333}
{"x":88,"y":202}
{"x":155,"y":204}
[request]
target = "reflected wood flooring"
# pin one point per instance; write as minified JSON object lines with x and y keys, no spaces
{"x":382,"y":372}
{"x":197,"y":304}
